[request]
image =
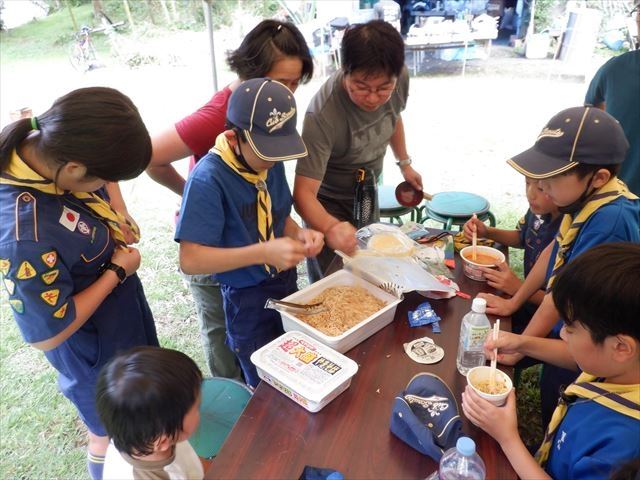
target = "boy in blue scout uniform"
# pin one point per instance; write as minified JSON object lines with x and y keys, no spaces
{"x":575,"y":160}
{"x":245,"y":235}
{"x":596,"y":425}
{"x":533,"y":233}
{"x":64,"y":262}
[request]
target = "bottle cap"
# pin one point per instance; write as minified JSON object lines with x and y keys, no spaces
{"x":466,"y":446}
{"x":479,"y":305}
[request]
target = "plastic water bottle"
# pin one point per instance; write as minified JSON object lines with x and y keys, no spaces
{"x":473,"y":331}
{"x":460,"y":463}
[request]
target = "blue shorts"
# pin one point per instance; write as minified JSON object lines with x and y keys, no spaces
{"x":122,"y":321}
{"x":251,"y":326}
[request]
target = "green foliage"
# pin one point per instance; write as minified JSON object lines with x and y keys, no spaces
{"x":543,"y":14}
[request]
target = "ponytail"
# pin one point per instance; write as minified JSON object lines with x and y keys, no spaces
{"x":11,"y":136}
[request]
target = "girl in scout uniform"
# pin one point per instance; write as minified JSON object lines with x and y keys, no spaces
{"x":68,"y":273}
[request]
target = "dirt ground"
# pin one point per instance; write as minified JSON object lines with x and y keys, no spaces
{"x":460,"y":129}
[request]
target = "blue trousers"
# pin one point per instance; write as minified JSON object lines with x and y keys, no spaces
{"x":249,"y":325}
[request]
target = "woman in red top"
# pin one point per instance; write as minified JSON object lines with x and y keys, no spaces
{"x":272,"y":49}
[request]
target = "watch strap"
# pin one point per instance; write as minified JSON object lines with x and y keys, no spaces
{"x":404,"y":162}
{"x":119,"y":271}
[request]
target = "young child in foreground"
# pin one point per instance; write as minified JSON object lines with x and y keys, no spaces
{"x":235,"y":219}
{"x":596,"y":425}
{"x":148,"y":399}
{"x":533,"y":233}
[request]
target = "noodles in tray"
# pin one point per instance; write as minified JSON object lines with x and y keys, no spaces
{"x":347,"y":306}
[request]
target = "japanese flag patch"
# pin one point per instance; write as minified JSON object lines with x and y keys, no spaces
{"x":69,"y":219}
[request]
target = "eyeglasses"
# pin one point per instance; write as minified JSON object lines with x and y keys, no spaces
{"x":363,"y":90}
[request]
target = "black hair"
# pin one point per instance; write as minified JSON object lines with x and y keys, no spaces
{"x":97,"y":127}
{"x":374,"y":47}
{"x":267,"y":43}
{"x":584,"y":169}
{"x":599,"y":289}
{"x":145,"y":392}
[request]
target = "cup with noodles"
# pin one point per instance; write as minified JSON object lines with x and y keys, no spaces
{"x":485,"y":257}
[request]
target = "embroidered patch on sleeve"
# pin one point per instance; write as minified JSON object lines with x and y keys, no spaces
{"x":61,"y":311}
{"x":25,"y":271}
{"x":4,"y":265}
{"x":49,"y":277}
{"x":9,"y":285}
{"x":50,"y":296}
{"x":17,"y":305}
{"x":49,"y":258}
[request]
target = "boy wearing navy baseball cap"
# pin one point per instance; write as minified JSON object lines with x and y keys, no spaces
{"x":235,"y":218}
{"x":575,"y":159}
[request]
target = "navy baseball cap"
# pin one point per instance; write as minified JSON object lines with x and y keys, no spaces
{"x":575,"y":135}
{"x":266,"y":111}
{"x":425,"y":416}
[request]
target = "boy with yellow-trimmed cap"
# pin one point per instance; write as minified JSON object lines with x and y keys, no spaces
{"x":575,"y":159}
{"x":235,"y":219}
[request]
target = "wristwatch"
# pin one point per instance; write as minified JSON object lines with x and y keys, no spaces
{"x":404,"y":163}
{"x":120,"y":272}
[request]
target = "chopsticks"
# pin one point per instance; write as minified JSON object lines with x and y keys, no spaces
{"x":474,"y":239}
{"x":494,"y":360}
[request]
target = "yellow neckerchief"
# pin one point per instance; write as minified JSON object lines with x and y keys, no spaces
{"x":570,"y":227}
{"x":624,"y":399}
{"x":259,"y":180}
{"x":20,"y":174}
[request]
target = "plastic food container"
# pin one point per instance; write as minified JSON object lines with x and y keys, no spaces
{"x":356,"y":334}
{"x":473,"y":269}
{"x":305,"y":370}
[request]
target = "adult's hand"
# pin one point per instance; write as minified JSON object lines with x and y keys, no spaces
{"x":502,"y":278}
{"x":497,"y":305}
{"x":413,"y":177}
{"x":342,"y":236}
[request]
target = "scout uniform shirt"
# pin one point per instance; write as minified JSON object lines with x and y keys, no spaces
{"x":51,"y":248}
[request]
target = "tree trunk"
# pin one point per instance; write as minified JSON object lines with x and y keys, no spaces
{"x":165,"y":10}
{"x":98,"y":9}
{"x":125,"y":3}
{"x":73,"y":17}
{"x":151,"y":14}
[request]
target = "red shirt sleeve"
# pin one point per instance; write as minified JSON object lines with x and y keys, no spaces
{"x":200,"y":129}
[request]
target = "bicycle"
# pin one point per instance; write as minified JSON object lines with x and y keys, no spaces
{"x":82,"y":53}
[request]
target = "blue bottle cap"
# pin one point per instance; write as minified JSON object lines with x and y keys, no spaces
{"x":466,"y":446}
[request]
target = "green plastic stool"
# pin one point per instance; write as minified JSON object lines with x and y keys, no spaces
{"x":456,"y":208}
{"x":389,"y":206}
{"x":223,"y":401}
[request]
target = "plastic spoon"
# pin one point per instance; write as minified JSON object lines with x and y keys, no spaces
{"x":494,"y":360}
{"x":407,"y":196}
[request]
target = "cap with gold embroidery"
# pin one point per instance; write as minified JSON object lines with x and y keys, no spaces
{"x":266,"y":111}
{"x":575,"y":135}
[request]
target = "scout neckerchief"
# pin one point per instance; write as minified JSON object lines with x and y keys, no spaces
{"x":624,"y":399}
{"x":20,"y":174}
{"x":259,"y":180}
{"x":570,"y":227}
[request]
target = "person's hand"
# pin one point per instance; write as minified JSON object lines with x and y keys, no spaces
{"x":283,"y":253}
{"x":507,"y":343}
{"x":481,"y":228}
{"x":342,"y":236}
{"x":502,"y":278}
{"x":312,"y":240}
{"x":499,"y":422}
{"x":127,"y":258}
{"x":502,"y":307}
{"x":411,"y":176}
{"x":127,"y":231}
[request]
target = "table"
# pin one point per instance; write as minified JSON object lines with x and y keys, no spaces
{"x":418,"y":47}
{"x":275,"y":438}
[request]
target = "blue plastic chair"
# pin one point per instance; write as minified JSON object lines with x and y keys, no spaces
{"x":223,"y":401}
{"x":389,"y":206}
{"x":456,"y":208}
